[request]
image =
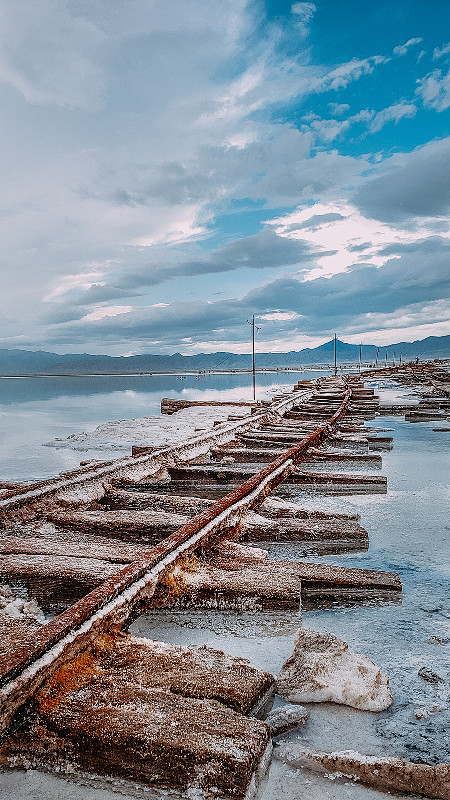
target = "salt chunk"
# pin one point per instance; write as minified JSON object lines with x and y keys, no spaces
{"x":285,"y":718}
{"x":323,"y":669}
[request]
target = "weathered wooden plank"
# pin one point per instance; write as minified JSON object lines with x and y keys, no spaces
{"x":153,"y":525}
{"x":170,"y":405}
{"x":73,"y":545}
{"x":239,"y":454}
{"x":232,"y":474}
{"x":255,"y":527}
{"x":56,"y":581}
{"x":141,"y":500}
{"x":280,"y":509}
{"x":164,"y":716}
{"x":223,"y":579}
{"x":393,"y":409}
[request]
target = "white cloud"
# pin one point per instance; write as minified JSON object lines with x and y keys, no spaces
{"x":402,"y":49}
{"x":405,"y":324}
{"x":347,"y":232}
{"x":341,"y":76}
{"x":393,"y":113}
{"x":304,"y":12}
{"x":442,"y":51}
{"x":107,"y":311}
{"x":50,"y":55}
{"x":330,"y":129}
{"x":280,"y":316}
{"x":434,"y":89}
{"x":84,"y":280}
{"x":338,"y":108}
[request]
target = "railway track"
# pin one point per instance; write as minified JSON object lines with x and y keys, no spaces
{"x":110,"y":540}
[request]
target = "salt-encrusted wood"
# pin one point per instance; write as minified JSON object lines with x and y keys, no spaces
{"x":260,"y":455}
{"x":227,"y":576}
{"x":140,"y":500}
{"x":256,"y":527}
{"x":233,"y":474}
{"x":151,"y":526}
{"x":170,"y":405}
{"x":385,"y":774}
{"x":159,"y":714}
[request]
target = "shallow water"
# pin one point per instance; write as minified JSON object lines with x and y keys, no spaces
{"x":409,"y":533}
{"x":37,"y":411}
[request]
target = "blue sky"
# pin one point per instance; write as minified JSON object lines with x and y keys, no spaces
{"x":171,"y":167}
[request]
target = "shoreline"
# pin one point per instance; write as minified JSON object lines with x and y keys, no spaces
{"x":260,"y":371}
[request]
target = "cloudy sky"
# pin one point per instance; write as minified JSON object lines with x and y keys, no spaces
{"x":171,"y":167}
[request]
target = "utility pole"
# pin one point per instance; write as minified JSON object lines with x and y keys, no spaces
{"x":385,"y":357}
{"x":360,"y":348}
{"x":376,"y":360}
{"x":253,"y":357}
{"x":335,"y":355}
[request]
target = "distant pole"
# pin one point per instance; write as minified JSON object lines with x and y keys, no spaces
{"x":393,"y":359}
{"x":253,"y":357}
{"x":360,"y":348}
{"x":335,"y":355}
{"x":400,"y":359}
{"x":385,"y":357}
{"x":376,"y":360}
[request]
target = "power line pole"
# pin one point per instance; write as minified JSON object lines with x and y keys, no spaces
{"x":335,"y":355}
{"x":252,"y":323}
{"x":253,"y":357}
{"x":360,"y":348}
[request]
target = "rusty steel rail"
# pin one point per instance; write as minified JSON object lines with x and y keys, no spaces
{"x":23,"y":670}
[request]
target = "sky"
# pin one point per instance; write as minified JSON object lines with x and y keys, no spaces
{"x":172,"y":167}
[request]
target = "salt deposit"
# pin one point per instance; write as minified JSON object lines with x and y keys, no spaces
{"x":323,"y":669}
{"x":380,"y":773}
{"x":424,"y":710}
{"x":16,"y":607}
{"x":285,"y":718}
{"x":157,"y":431}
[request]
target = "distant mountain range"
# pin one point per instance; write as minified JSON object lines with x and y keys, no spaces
{"x":27,"y":362}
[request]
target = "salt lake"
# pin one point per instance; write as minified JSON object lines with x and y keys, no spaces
{"x":409,"y":533}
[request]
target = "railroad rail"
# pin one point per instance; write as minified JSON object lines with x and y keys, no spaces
{"x":300,"y":421}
